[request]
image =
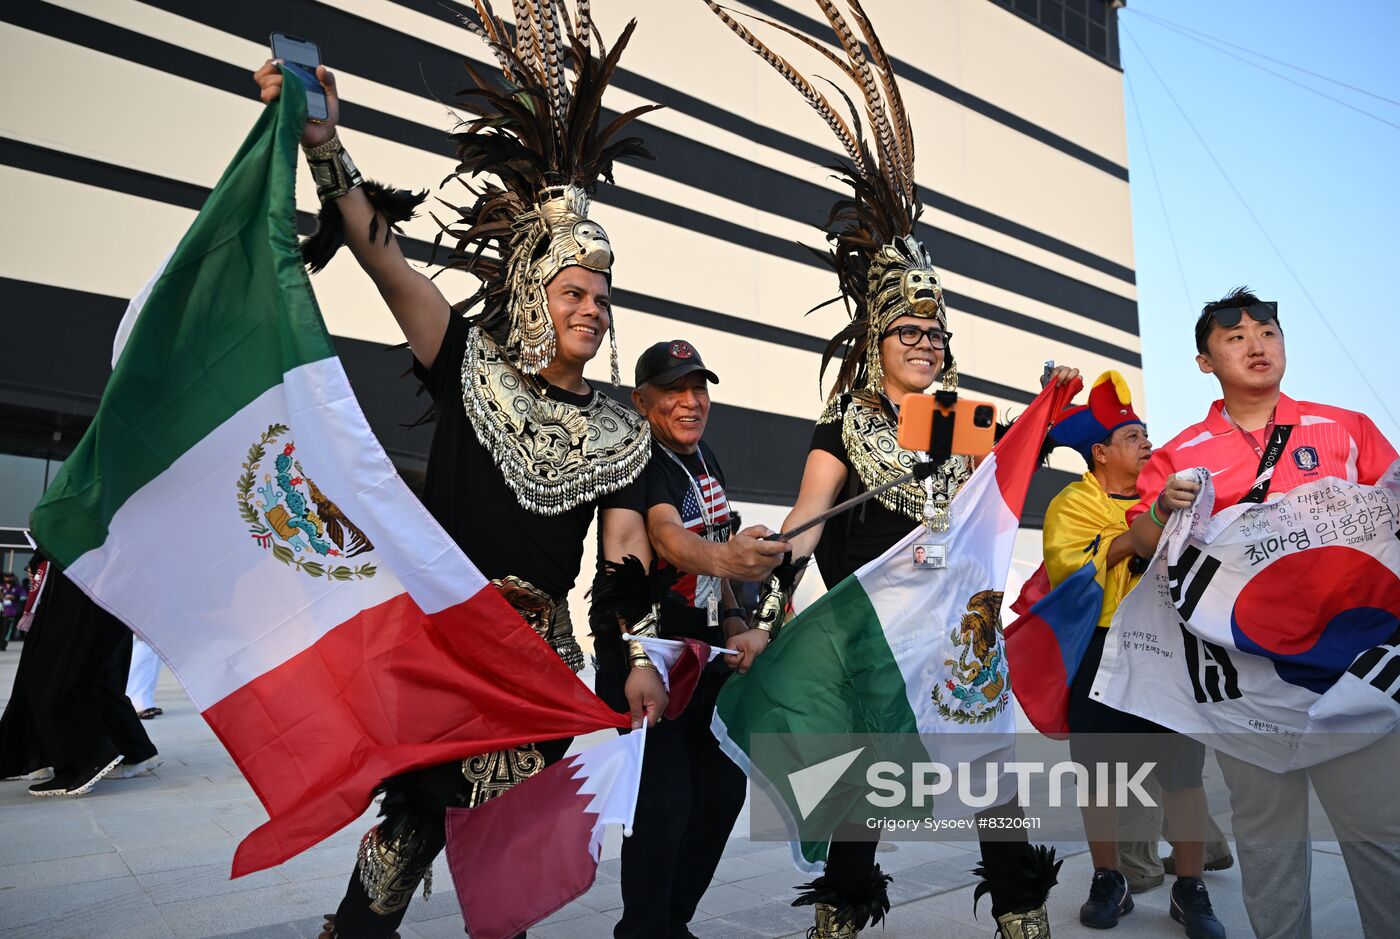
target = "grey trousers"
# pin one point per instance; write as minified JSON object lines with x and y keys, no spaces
{"x":1358,"y":793}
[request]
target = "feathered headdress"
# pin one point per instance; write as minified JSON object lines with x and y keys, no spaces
{"x":882,"y":270}
{"x":539,"y":130}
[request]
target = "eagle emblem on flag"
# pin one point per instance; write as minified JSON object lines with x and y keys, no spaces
{"x":292,"y":517}
{"x":974,"y":689}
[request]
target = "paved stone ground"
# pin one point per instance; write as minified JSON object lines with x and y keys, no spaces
{"x":149,"y":858}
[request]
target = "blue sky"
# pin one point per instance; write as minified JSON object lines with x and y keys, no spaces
{"x":1319,"y":177}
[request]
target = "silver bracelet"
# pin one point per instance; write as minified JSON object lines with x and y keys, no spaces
{"x":332,"y":169}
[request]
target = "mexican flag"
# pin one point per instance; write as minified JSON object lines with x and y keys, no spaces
{"x":230,"y":503}
{"x":896,"y":648}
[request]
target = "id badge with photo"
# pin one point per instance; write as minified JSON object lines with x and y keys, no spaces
{"x":930,"y":556}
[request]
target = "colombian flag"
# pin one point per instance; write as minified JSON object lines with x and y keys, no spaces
{"x":1045,"y":645}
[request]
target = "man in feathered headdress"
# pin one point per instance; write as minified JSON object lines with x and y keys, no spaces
{"x":897,"y":343}
{"x":525,"y":450}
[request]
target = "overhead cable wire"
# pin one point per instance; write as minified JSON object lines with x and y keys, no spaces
{"x":1356,"y":367}
{"x":1225,"y":42}
{"x":1157,"y":184}
{"x":1209,"y":44}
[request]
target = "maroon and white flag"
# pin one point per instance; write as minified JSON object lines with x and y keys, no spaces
{"x":680,"y":662}
{"x":546,"y":832}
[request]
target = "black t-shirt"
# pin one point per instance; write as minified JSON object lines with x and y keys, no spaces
{"x":467,"y":494}
{"x":668,"y":484}
{"x":861,"y":535}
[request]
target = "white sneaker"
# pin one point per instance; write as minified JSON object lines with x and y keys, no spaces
{"x":128,"y":770}
{"x":39,"y":775}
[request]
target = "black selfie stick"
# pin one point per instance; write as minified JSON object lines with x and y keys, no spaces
{"x":940,"y":448}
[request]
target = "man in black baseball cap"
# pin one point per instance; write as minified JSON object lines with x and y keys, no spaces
{"x":665,"y":362}
{"x":692,"y":792}
{"x":687,"y":512}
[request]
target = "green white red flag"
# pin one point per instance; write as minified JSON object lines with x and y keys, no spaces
{"x":900,"y":648}
{"x":230,"y":503}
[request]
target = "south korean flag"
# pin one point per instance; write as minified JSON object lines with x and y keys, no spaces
{"x":1271,"y":632}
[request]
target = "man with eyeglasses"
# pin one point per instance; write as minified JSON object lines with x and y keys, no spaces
{"x":1258,"y":444}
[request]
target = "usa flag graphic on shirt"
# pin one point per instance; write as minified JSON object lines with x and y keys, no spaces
{"x":716,"y":507}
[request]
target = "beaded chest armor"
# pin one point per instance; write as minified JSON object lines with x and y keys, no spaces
{"x":555,"y":456}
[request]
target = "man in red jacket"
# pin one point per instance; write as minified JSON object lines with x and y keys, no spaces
{"x":1258,"y":444}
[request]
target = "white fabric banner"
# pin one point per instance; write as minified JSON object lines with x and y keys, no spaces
{"x":1273,"y":630}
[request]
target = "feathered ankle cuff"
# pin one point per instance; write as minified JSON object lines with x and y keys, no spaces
{"x":867,"y":905}
{"x":1023,"y":888}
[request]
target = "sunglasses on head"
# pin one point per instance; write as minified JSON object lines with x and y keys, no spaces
{"x":1262,"y":312}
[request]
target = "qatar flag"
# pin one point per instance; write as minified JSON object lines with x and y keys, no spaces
{"x":546,"y":832}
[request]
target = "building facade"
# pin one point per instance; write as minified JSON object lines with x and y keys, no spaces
{"x":121,"y":115}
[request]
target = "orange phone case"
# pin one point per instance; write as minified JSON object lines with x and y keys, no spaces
{"x":916,"y":415}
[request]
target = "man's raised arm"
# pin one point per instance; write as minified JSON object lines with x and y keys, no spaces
{"x":420,"y":308}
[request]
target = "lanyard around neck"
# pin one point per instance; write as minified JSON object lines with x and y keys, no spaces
{"x":707,"y":516}
{"x":1268,"y":456}
{"x":1249,"y":438}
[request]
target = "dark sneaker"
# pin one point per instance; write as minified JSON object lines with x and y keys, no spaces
{"x":77,"y":781}
{"x":1109,"y":898}
{"x":1221,"y":862}
{"x":1191,"y":908}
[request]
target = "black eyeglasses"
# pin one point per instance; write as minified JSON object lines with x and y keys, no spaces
{"x":910,"y":335}
{"x":1261,"y":312}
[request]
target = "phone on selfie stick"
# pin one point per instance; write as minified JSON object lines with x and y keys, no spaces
{"x":303,"y":56}
{"x":942,"y":424}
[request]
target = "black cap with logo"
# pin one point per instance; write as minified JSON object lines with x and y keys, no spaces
{"x":665,"y":362}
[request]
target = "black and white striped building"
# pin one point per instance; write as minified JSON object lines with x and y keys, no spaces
{"x":119,"y":116}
